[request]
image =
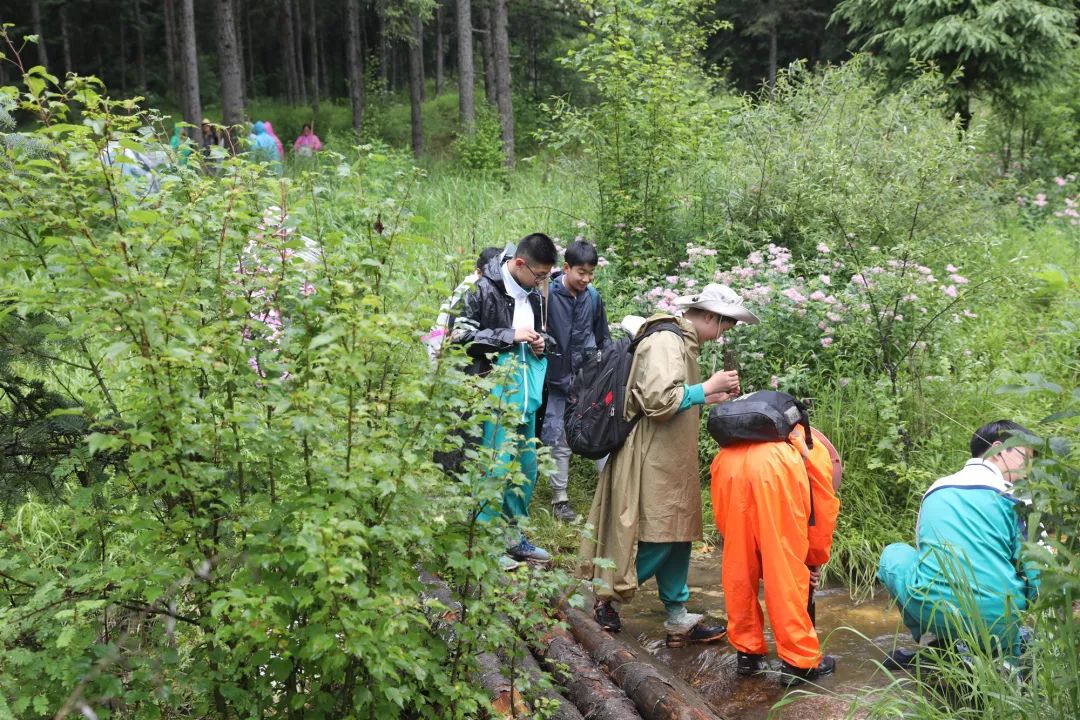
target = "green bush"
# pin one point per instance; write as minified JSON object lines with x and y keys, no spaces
{"x":244,"y":349}
{"x":481,"y":151}
{"x":649,"y":123}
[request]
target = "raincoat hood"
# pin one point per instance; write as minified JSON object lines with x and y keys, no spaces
{"x":259,"y":128}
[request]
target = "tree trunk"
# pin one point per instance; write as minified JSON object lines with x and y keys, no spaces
{"x":172,"y":52}
{"x":440,"y":49}
{"x":65,"y":40}
{"x":385,"y":73}
{"x":140,"y":47}
{"x":288,"y":52}
{"x":354,"y":63}
{"x":593,"y":692}
{"x":416,"y":82}
{"x":324,"y":74}
{"x":313,"y":59}
{"x":487,"y":49}
{"x":189,"y":66}
{"x":501,"y":41}
{"x":122,"y":52}
{"x":229,"y":65}
{"x":658,"y":695}
{"x":246,"y":40}
{"x":772,"y":59}
{"x":39,"y":30}
{"x":466,"y":100}
{"x":301,"y":75}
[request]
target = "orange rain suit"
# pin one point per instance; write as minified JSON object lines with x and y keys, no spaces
{"x":761,"y":502}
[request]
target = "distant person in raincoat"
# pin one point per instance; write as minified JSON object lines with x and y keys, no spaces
{"x":433,"y":340}
{"x":277,"y":141}
{"x":308,"y":143}
{"x":210,"y":137}
{"x":181,"y":143}
{"x":775,"y":506}
{"x":647,"y":506}
{"x":503,"y":316}
{"x":263,"y":147}
{"x":136,"y":167}
{"x":966,"y":570}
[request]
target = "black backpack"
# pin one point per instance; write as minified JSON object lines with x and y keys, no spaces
{"x":594,"y":421}
{"x":762,"y":416}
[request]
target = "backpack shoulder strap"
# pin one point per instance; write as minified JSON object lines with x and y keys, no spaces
{"x":594,"y":295}
{"x":662,"y":326}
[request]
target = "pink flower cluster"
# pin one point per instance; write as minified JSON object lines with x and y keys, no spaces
{"x":767,"y":281}
{"x":258,"y":276}
{"x":1067,"y":210}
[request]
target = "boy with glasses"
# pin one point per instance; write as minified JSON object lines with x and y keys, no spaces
{"x":504,"y":321}
{"x":968,"y":538}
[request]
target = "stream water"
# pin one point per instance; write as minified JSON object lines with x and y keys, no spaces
{"x":857,"y":634}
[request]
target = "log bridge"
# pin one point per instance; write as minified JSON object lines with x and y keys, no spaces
{"x":599,"y":676}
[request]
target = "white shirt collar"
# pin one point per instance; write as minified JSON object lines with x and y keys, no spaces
{"x":516,"y":291}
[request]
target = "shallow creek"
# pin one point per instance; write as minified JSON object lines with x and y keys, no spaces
{"x":857,"y":634}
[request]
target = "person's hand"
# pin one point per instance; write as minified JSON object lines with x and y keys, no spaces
{"x":815,"y":576}
{"x":717,"y":398}
{"x":724,"y":381}
{"x":526,"y":335}
{"x":537,"y":345}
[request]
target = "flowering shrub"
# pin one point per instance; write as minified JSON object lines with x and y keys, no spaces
{"x":269,"y":422}
{"x":829,"y":314}
{"x":1060,"y":199}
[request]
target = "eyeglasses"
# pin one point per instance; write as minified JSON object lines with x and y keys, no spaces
{"x":538,"y":277}
{"x":1025,"y":454}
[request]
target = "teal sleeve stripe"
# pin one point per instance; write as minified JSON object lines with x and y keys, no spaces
{"x":692,"y":395}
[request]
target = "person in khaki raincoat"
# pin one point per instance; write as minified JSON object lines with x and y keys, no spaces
{"x":647,"y":508}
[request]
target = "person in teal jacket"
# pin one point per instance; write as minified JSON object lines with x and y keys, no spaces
{"x":968,"y":556}
{"x":264,"y":147}
{"x":180,"y":143}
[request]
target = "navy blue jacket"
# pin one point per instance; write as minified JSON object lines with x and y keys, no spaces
{"x":577,"y":324}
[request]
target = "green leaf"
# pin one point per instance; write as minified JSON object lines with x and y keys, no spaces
{"x":65,"y":637}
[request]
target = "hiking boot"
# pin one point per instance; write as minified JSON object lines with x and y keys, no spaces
{"x":563,"y":512}
{"x":607,"y":616}
{"x":700,"y":632}
{"x":525,"y":551}
{"x":791,"y":675}
{"x":900,"y":659}
{"x":751,"y":664}
{"x":508,"y":564}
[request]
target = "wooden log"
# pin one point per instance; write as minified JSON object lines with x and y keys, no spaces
{"x":593,"y":692}
{"x":506,"y":700}
{"x":527,"y":667}
{"x":657,"y":693}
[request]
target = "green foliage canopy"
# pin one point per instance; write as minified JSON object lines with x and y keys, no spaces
{"x":997,"y":47}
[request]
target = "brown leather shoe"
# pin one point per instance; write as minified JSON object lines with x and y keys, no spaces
{"x":699,"y":633}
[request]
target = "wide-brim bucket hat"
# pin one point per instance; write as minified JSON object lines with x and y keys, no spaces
{"x":719,"y":299}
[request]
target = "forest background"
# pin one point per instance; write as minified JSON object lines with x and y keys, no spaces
{"x":216,"y":417}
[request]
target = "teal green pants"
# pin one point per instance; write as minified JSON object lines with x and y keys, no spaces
{"x":670,"y":563}
{"x":924,"y":610}
{"x":515,"y":497}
